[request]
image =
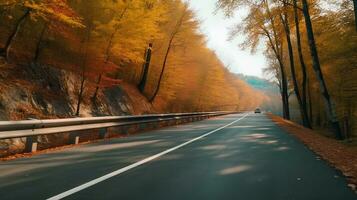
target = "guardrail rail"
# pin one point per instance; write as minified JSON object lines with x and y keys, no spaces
{"x":32,"y":129}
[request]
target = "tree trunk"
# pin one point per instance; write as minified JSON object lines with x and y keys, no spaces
{"x":162,"y":70}
{"x":80,"y":95}
{"x":301,"y":59}
{"x":143,"y":67}
{"x":329,"y":105}
{"x":105,"y":63}
{"x":145,"y":72}
{"x":6,"y":50}
{"x":310,"y":103}
{"x":84,"y":66}
{"x":97,"y":88}
{"x":172,"y":37}
{"x":285,"y":95}
{"x":108,"y":49}
{"x":303,"y":111}
{"x":284,"y":83}
{"x":355,"y":10}
{"x":39,"y":43}
{"x":277,"y":48}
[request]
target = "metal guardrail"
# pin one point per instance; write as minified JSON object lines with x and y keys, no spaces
{"x":33,"y":128}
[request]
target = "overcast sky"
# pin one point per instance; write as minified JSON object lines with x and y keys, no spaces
{"x":216,"y":28}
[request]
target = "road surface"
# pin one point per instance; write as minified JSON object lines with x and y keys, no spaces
{"x":241,"y":156}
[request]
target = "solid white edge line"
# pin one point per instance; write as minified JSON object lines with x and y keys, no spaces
{"x":124,"y":169}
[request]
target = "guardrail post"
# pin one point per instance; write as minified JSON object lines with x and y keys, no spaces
{"x":73,"y":138}
{"x":28,"y":128}
{"x":31,"y":144}
{"x":142,"y":126}
{"x":102,"y":133}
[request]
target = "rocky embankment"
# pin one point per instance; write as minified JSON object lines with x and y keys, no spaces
{"x":43,"y":92}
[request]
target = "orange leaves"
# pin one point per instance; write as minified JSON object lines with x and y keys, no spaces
{"x":97,"y":66}
{"x":93,"y":38}
{"x":108,"y":82}
{"x":54,"y":10}
{"x":98,"y":63}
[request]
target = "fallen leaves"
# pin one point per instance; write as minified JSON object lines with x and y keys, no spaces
{"x":338,"y":155}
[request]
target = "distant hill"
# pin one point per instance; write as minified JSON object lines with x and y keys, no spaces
{"x":259,"y":83}
{"x":271,"y":104}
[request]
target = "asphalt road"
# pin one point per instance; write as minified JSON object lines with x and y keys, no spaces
{"x":238,"y":157}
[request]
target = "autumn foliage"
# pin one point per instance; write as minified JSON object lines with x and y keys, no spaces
{"x":311,"y":47}
{"x":103,"y":43}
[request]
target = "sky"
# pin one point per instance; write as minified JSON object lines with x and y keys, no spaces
{"x":216,"y":27}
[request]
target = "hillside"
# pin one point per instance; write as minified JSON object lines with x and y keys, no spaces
{"x":73,"y":59}
{"x":259,"y":83}
{"x":272,"y":102}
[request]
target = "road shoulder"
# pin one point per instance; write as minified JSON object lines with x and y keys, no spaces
{"x":340,"y":156}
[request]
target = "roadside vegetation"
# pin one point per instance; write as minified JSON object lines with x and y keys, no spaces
{"x":311,"y":46}
{"x":106,"y":44}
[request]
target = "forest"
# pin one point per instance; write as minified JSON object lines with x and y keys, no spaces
{"x":148,"y":99}
{"x":150,"y":46}
{"x":311,"y":46}
{"x":154,"y":49}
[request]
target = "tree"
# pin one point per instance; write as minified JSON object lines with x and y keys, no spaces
{"x":84,"y":50}
{"x":355,"y":9}
{"x":184,"y":20}
{"x":145,"y":72}
{"x":110,"y":45}
{"x":106,"y":50}
{"x":303,"y":109}
{"x":301,"y":59}
{"x":330,"y":107}
{"x":39,"y":43}
{"x":127,"y":35}
{"x":261,"y":22}
{"x":277,"y":47}
{"x":46,"y":10}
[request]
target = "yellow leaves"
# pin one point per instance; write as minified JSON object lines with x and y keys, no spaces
{"x":9,"y":3}
{"x":117,"y":33}
{"x":55,"y":9}
{"x":73,"y":22}
{"x":131,"y":26}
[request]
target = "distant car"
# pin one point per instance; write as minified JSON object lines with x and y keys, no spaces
{"x":257,"y":110}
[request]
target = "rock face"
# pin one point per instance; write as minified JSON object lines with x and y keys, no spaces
{"x":44,"y":92}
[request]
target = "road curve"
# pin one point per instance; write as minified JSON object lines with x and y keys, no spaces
{"x":241,"y":156}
